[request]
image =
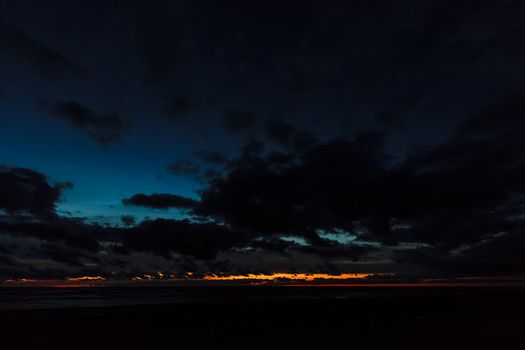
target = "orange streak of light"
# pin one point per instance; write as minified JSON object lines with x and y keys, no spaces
{"x":287,"y":276}
{"x":85,"y":278}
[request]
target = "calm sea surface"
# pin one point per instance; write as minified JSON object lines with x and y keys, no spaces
{"x":43,"y":298}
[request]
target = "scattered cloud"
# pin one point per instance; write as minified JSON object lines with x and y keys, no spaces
{"x":160,"y":201}
{"x":103,"y":128}
{"x":128,"y":220}
{"x":24,"y":190}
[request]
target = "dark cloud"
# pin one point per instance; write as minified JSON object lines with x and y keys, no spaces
{"x":278,"y":130}
{"x":333,"y":250}
{"x":164,"y":237}
{"x":10,"y":267}
{"x":160,"y":201}
{"x":468,"y":189}
{"x":389,"y":120}
{"x":103,"y":128}
{"x":46,"y":60}
{"x":393,"y":117}
{"x":457,"y":206}
{"x":72,"y":232}
{"x":303,"y":140}
{"x":280,"y":159}
{"x":208,"y":165}
{"x":128,"y":220}
{"x":26,"y":191}
{"x":253,"y":148}
{"x":287,"y":135}
{"x":4,"y":250}
{"x":411,"y":70}
{"x":455,"y":197}
{"x":501,"y":254}
{"x":62,"y":253}
{"x":179,"y":108}
{"x":304,"y":196}
{"x":324,"y":249}
{"x":237,"y":120}
{"x":212,"y":157}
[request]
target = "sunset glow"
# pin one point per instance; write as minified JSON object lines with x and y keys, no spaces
{"x":287,"y":276}
{"x":179,"y":174}
{"x":81,"y":281}
{"x":284,"y":279}
{"x":85,"y":278}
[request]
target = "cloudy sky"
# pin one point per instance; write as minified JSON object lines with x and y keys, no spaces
{"x":234,"y":137}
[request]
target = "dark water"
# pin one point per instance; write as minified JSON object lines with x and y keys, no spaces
{"x":45,"y":298}
{"x":50,"y":298}
{"x":262,"y":318}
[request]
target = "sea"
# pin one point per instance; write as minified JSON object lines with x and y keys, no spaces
{"x":24,"y":298}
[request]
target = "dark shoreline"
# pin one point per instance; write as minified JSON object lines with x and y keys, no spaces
{"x":412,"y":319}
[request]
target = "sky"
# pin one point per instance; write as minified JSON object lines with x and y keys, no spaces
{"x":219,"y":138}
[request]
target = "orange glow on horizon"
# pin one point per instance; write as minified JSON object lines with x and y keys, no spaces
{"x":277,"y":279}
{"x":85,"y":278}
{"x":309,"y":277}
{"x":82,"y":281}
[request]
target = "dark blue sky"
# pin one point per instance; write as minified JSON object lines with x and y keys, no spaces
{"x":122,"y":98}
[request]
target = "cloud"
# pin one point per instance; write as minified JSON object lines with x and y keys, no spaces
{"x":458,"y":199}
{"x":164,"y":237}
{"x":324,"y":250}
{"x":303,"y":140}
{"x":4,"y":250}
{"x":286,"y":135}
{"x":299,"y":197}
{"x":179,"y":108}
{"x":279,"y":130}
{"x":252,"y":148}
{"x":15,"y":42}
{"x":469,"y":189}
{"x":212,"y":157}
{"x":26,"y":191}
{"x":10,"y":267}
{"x":389,"y":120}
{"x":160,"y":201}
{"x":62,"y":253}
{"x":128,"y":220}
{"x":103,"y":128}
{"x":74,"y":233}
{"x":454,"y":208}
{"x":236,"y":120}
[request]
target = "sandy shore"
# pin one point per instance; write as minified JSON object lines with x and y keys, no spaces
{"x":484,"y":320}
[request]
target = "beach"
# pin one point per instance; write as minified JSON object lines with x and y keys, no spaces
{"x":415,"y":319}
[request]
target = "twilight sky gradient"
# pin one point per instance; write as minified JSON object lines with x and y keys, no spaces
{"x":234,"y":137}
